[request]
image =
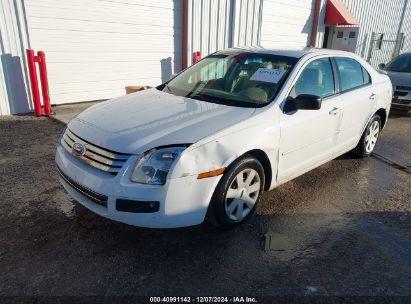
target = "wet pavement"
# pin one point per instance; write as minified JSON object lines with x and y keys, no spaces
{"x":342,"y":229}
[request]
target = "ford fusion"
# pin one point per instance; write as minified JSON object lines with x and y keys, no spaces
{"x":205,"y":145}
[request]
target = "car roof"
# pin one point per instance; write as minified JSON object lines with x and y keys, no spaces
{"x":283,"y":52}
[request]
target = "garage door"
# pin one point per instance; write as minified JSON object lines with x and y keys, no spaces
{"x":287,"y":23}
{"x":94,"y":48}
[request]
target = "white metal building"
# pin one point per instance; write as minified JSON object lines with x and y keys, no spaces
{"x":94,"y":48}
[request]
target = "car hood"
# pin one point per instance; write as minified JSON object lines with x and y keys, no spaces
{"x":400,"y":79}
{"x":137,"y":122}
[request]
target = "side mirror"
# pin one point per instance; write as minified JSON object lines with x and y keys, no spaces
{"x":303,"y":102}
{"x":381,"y":66}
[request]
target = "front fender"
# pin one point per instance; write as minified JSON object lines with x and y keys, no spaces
{"x":222,"y":151}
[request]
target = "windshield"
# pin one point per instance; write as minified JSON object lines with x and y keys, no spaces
{"x":237,"y":79}
{"x":400,"y":64}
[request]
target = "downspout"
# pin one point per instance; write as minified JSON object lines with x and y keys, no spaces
{"x":314,"y":28}
{"x":184,"y":46}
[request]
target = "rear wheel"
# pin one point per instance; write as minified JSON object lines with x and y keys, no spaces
{"x":237,"y":194}
{"x":369,"y":138}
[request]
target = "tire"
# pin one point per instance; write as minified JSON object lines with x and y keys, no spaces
{"x":369,"y":138}
{"x":230,"y":205}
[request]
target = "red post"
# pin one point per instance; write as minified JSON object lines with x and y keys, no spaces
{"x":44,"y":83}
{"x":34,"y":83}
{"x":196,"y":57}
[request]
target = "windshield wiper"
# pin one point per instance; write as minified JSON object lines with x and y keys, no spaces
{"x":223,"y":101}
{"x":203,"y":97}
{"x":168,"y":88}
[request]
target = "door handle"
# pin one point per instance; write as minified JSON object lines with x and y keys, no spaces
{"x":372,"y":96}
{"x":334,"y":111}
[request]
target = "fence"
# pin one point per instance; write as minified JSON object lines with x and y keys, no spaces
{"x":383,"y":48}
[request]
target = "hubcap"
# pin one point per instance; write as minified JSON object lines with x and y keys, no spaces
{"x":242,"y":194}
{"x":372,"y":136}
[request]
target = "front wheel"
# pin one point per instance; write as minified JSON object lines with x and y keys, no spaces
{"x":237,"y":194}
{"x":369,"y":138}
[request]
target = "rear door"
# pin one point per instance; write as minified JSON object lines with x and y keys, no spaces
{"x":308,"y":137}
{"x":358,"y":97}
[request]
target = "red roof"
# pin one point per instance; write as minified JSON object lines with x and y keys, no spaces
{"x":336,"y":13}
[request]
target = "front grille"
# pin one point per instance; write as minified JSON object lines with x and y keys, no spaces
{"x":400,"y":94}
{"x":93,"y":155}
{"x":90,"y":194}
{"x":400,"y":101}
{"x":404,"y":88}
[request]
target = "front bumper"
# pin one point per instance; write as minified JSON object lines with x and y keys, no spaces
{"x":401,"y":104}
{"x":401,"y":100}
{"x":181,"y":201}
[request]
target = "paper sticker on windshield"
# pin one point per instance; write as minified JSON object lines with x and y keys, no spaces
{"x":268,"y":75}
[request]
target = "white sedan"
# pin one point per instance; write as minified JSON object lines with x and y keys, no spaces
{"x":206,"y":144}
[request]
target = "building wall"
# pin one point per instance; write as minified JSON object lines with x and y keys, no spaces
{"x":287,"y":23}
{"x":14,"y":96}
{"x":247,"y":22}
{"x":208,"y":26}
{"x":220,"y":24}
{"x":383,"y":16}
{"x":94,"y":48}
{"x":406,"y":28}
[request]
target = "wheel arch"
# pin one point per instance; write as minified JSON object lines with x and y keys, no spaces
{"x":383,"y":115}
{"x":262,"y":157}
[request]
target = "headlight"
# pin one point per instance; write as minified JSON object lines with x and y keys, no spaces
{"x":152,"y":168}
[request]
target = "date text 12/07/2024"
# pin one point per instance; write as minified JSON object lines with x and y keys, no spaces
{"x":203,"y":300}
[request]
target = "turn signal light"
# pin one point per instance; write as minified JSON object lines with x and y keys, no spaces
{"x":211,"y":173}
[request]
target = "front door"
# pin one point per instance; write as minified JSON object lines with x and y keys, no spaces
{"x":308,"y":137}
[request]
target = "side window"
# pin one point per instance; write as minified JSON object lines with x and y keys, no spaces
{"x":366,"y":76}
{"x":316,"y":79}
{"x":351,"y":73}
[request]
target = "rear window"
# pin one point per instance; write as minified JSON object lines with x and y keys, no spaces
{"x":352,"y":74}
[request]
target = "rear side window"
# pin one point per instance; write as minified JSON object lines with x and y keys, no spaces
{"x":352,"y":74}
{"x":366,"y":76}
